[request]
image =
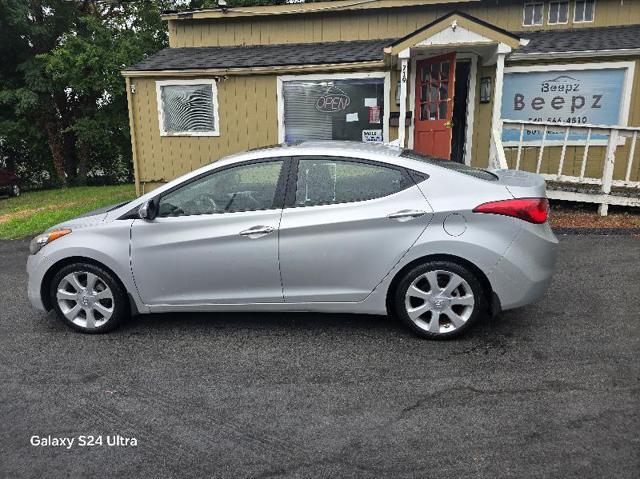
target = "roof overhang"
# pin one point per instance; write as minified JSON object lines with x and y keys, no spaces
{"x":623,"y":52}
{"x":456,"y":28}
{"x":298,"y":8}
{"x":271,"y":70}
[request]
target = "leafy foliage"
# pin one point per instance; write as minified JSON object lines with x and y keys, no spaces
{"x":63,"y":104}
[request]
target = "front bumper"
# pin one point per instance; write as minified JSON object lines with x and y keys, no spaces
{"x":526,"y":270}
{"x":36,"y":269}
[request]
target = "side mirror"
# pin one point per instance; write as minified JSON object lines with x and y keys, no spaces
{"x":147,"y":211}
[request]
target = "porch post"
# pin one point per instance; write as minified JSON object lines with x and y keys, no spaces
{"x":404,"y":75}
{"x":496,"y":116}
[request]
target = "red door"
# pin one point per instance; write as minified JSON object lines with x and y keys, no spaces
{"x":434,"y":105}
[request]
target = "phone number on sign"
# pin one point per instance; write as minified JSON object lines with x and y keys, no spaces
{"x":558,"y":119}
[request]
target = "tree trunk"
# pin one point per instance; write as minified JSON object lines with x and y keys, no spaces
{"x":83,"y":162}
{"x":69,"y":145}
{"x":55,"y":140}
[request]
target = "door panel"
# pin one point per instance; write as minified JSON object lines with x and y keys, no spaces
{"x":204,"y":259}
{"x":340,"y":252}
{"x":435,"y":84}
{"x":215,"y":239}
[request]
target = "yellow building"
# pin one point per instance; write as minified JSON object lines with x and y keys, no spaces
{"x":448,"y":78}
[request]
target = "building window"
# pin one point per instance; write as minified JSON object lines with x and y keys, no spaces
{"x":585,"y":11}
{"x":188,"y":108}
{"x":333,"y":107}
{"x":558,"y":12}
{"x":532,"y":13}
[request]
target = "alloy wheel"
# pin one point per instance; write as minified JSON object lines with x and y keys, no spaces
{"x":85,"y":299}
{"x":439,"y":301}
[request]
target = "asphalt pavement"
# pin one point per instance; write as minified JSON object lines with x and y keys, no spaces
{"x":549,"y":390}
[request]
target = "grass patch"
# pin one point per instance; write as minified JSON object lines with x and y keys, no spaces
{"x":33,"y":212}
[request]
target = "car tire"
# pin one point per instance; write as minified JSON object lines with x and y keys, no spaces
{"x":88,"y":298}
{"x":15,"y":190}
{"x":456,"y":302}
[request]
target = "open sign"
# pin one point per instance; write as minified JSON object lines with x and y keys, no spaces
{"x":332,"y":102}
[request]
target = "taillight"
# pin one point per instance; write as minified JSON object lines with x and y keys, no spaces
{"x":533,"y":210}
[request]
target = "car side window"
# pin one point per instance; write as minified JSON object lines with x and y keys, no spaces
{"x":242,"y":188}
{"x":323,"y":181}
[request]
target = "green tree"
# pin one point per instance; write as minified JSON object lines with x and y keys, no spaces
{"x":63,"y":104}
{"x":60,"y":82}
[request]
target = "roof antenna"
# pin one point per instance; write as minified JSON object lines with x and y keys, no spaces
{"x":222,"y":5}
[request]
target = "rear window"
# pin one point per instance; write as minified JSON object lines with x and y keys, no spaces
{"x":450,"y":165}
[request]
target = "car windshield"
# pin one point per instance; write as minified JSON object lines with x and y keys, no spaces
{"x":451,"y":165}
{"x":118,"y":205}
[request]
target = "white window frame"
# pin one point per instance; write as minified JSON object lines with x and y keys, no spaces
{"x":214,"y":99}
{"x":625,"y":104}
{"x":575,"y":9}
{"x":524,"y":6}
{"x":335,"y":76}
{"x":549,"y":22}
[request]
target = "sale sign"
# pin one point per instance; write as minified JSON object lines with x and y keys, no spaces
{"x":568,"y":96}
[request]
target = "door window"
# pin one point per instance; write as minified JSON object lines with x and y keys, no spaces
{"x":434,"y":84}
{"x":330,"y":181}
{"x":242,"y":188}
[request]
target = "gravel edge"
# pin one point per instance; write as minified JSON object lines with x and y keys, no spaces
{"x":598,"y":231}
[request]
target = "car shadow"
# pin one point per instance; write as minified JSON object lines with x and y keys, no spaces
{"x":506,"y":324}
{"x":274,"y":321}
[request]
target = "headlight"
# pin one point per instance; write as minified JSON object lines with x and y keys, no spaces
{"x":40,"y":241}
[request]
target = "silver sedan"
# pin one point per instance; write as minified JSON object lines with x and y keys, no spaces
{"x":318,"y":226}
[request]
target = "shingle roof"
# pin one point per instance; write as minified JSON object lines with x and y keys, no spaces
{"x":264,"y":55}
{"x":540,"y":42}
{"x":581,"y":39}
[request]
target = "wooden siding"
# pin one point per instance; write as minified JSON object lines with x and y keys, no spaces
{"x":370,"y":24}
{"x":248,"y":119}
{"x":248,"y":103}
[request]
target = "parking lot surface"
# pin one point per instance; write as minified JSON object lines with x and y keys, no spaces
{"x":549,"y":390}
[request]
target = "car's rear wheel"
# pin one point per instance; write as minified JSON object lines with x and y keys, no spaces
{"x":15,"y":190}
{"x":88,"y":298}
{"x":439,"y":299}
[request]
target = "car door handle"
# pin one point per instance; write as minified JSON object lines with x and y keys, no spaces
{"x":257,"y":231}
{"x":405,"y":215}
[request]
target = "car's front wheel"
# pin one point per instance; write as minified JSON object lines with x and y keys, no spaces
{"x":15,"y":190}
{"x":439,"y":299}
{"x":88,"y":298}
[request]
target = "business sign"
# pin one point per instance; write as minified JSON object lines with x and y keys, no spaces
{"x":571,"y":96}
{"x":334,"y":100}
{"x":372,"y":136}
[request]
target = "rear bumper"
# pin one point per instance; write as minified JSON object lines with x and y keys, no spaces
{"x":526,"y":270}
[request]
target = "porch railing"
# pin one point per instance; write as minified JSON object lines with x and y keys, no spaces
{"x":582,"y":162}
